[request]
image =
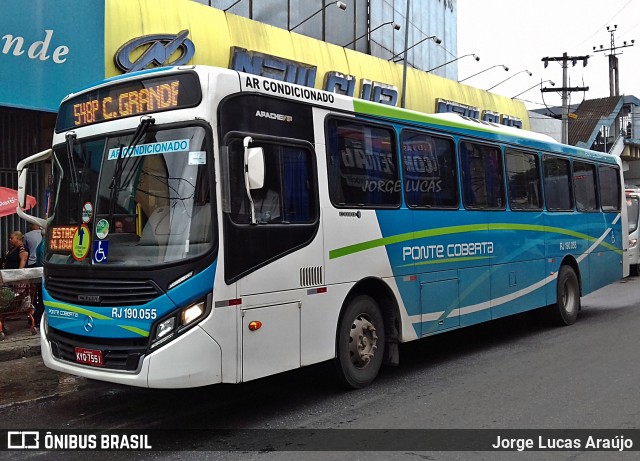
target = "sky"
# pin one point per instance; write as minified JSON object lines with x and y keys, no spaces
{"x":519,"y":33}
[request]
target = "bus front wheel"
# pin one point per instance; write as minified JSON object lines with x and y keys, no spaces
{"x":565,"y":312}
{"x":360,"y":343}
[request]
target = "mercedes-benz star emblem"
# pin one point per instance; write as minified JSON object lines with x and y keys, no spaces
{"x":88,"y":324}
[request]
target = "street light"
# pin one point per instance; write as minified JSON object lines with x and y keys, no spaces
{"x":475,"y":56}
{"x":541,"y":83}
{"x":483,"y":71}
{"x":404,"y":64}
{"x":434,"y":37}
{"x":341,"y":5}
{"x":508,"y":78}
{"x":396,"y":26}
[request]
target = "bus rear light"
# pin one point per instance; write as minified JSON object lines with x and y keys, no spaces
{"x":255,"y":325}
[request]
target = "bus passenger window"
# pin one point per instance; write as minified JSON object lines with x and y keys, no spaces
{"x":557,"y":184}
{"x":362,"y":165}
{"x":482,"y":176}
{"x":584,"y":184}
{"x":430,"y":171}
{"x":610,"y":188}
{"x":523,"y":174}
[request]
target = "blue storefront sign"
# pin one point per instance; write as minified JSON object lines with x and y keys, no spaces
{"x":49,"y":48}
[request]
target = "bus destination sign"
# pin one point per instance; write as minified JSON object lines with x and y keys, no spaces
{"x":125,"y":99}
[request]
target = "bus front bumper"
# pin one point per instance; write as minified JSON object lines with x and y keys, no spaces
{"x":191,"y":360}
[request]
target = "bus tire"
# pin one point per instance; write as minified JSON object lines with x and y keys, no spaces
{"x":360,"y":343}
{"x":565,"y":311}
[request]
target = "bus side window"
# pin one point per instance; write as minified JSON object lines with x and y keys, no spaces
{"x":362,"y":165}
{"x":525,"y":187}
{"x":430,"y":171}
{"x":287,"y":195}
{"x":557,"y":184}
{"x":609,"y":188}
{"x":585,"y":186}
{"x":482,"y":176}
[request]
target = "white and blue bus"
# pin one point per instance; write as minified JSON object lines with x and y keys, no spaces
{"x":633,"y":217}
{"x":209,"y":226}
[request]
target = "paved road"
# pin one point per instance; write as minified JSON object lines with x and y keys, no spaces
{"x":512,"y":374}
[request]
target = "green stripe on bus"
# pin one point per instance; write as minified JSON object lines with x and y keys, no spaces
{"x":79,"y":310}
{"x":135,"y":330}
{"x":383,"y":110}
{"x":363,"y":246}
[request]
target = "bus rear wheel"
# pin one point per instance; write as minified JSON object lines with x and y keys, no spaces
{"x":360,"y":343}
{"x":565,"y":311}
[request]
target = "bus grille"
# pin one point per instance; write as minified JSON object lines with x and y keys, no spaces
{"x":93,"y":292}
{"x":117,"y":354}
{"x":310,"y":276}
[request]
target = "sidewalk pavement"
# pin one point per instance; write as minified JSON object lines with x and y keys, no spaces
{"x":18,"y":341}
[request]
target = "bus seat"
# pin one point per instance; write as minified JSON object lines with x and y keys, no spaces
{"x":156,"y":230}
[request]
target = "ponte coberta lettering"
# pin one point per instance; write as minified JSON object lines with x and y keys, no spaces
{"x":451,"y":250}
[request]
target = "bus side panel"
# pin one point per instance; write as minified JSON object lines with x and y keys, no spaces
{"x":475,"y":295}
{"x":513,"y":287}
{"x":448,"y":241}
{"x":518,"y":263}
{"x":358,"y":248}
{"x":606,"y":264}
{"x":559,"y":245}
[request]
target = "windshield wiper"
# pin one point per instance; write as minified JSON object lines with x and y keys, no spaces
{"x":71,"y":138}
{"x":123,"y":160}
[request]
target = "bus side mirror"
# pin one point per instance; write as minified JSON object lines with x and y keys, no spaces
{"x":255,"y":167}
{"x":22,"y":186}
{"x":253,"y":173}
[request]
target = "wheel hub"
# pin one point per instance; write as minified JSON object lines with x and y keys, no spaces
{"x":363,"y":341}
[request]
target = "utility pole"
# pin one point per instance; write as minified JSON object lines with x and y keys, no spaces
{"x":614,"y":72}
{"x":564,"y":59}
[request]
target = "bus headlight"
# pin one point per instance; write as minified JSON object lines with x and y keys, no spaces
{"x":191,"y":313}
{"x":633,"y":243}
{"x":179,"y":321}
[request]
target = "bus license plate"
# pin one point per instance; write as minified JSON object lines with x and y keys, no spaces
{"x":89,"y":357}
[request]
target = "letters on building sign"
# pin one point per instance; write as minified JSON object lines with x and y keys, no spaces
{"x":299,"y":73}
{"x":273,"y":67}
{"x":162,"y":46}
{"x":444,"y":106}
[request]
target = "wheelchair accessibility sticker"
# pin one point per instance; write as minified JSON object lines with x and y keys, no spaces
{"x":100,"y":251}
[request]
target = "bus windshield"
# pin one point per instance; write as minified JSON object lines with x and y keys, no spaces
{"x":148,"y":206}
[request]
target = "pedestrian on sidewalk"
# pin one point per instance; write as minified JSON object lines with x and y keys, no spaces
{"x":31,"y":241}
{"x":17,"y":256}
